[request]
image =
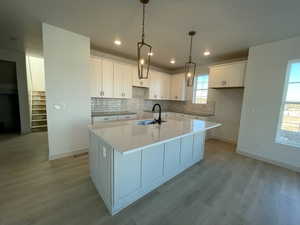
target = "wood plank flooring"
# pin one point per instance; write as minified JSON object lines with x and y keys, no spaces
{"x":224,"y":189}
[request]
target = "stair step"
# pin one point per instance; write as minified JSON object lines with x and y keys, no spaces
{"x":42,"y":105}
{"x":40,"y":120}
{"x":39,"y":114}
{"x":39,"y":126}
{"x":39,"y":129}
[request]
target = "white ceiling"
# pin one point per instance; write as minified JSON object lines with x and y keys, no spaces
{"x":226,"y":27}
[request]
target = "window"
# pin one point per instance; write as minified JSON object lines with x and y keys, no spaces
{"x":200,"y":89}
{"x":289,"y":125}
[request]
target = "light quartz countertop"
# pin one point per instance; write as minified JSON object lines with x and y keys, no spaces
{"x":127,"y":136}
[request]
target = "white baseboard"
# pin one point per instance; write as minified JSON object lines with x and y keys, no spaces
{"x":277,"y":163}
{"x":68,"y":154}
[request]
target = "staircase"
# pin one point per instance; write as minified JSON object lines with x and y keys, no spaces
{"x":39,"y":114}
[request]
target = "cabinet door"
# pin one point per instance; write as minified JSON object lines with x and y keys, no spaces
{"x":172,"y":158}
{"x":154,"y":90}
{"x":165,"y":86}
{"x":187,"y":151}
{"x":217,"y":78}
{"x":198,"y":147}
{"x":95,"y":77}
{"x":127,"y":175}
{"x":152,"y":166}
{"x":235,"y":74}
{"x":177,"y":91}
{"x":107,"y":78}
{"x":127,"y":81}
{"x":118,"y":80}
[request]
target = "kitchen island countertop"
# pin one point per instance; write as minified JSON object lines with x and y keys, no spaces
{"x":128,"y":136}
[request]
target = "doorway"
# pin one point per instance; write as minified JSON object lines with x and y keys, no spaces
{"x":9,"y":102}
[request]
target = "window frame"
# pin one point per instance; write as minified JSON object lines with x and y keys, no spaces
{"x":195,"y":89}
{"x":284,"y":101}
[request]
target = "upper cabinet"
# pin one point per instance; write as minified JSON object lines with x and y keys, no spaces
{"x":159,"y":86}
{"x":122,"y":80}
{"x":101,"y":82}
{"x":139,"y":82}
{"x":107,"y":82}
{"x":110,"y":79}
{"x":155,"y":85}
{"x":227,"y":75}
{"x":177,"y":90}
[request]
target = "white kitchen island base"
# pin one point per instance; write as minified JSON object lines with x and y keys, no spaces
{"x":122,"y":178}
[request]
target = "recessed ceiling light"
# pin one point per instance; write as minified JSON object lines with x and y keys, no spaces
{"x":117,"y":42}
{"x":206,"y":53}
{"x":150,"y":53}
{"x":172,"y":61}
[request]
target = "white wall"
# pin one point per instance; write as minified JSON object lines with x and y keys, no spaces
{"x":19,"y":58}
{"x":66,"y":56}
{"x":265,"y":76}
{"x":35,"y":70}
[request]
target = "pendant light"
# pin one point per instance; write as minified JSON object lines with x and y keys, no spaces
{"x":144,"y":51}
{"x":190,"y":67}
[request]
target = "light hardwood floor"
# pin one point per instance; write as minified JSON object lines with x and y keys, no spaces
{"x":224,"y":189}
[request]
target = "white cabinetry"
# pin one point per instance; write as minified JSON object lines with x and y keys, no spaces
{"x":159,"y":86}
{"x":122,"y":80}
{"x":227,"y":75}
{"x":177,"y":90}
{"x":101,"y":78}
{"x":155,"y":85}
{"x":165,"y":86}
{"x":107,"y":78}
{"x":110,"y":79}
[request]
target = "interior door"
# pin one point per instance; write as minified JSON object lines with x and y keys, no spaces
{"x":107,"y":78}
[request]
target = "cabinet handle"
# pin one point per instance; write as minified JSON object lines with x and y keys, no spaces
{"x":102,"y":93}
{"x":224,"y":82}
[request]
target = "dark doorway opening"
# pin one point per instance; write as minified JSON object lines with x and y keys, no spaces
{"x":9,"y":102}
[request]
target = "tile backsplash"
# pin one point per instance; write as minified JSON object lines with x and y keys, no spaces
{"x":138,"y":103}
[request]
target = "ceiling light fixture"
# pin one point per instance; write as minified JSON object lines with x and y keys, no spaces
{"x":206,"y":53}
{"x":144,"y":50}
{"x":172,"y":61}
{"x":190,"y":67}
{"x":117,"y":42}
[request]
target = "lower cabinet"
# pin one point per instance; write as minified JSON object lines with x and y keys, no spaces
{"x":121,"y":179}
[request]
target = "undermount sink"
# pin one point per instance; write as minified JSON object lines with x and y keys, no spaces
{"x":148,"y":122}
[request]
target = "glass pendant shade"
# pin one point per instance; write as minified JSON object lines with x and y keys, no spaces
{"x":190,"y":70}
{"x":144,"y":55}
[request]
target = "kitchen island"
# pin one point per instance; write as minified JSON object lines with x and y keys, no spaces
{"x":127,"y":159}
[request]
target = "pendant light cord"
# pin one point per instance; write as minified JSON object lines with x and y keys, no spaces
{"x":143,"y":25}
{"x":191,"y":44}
